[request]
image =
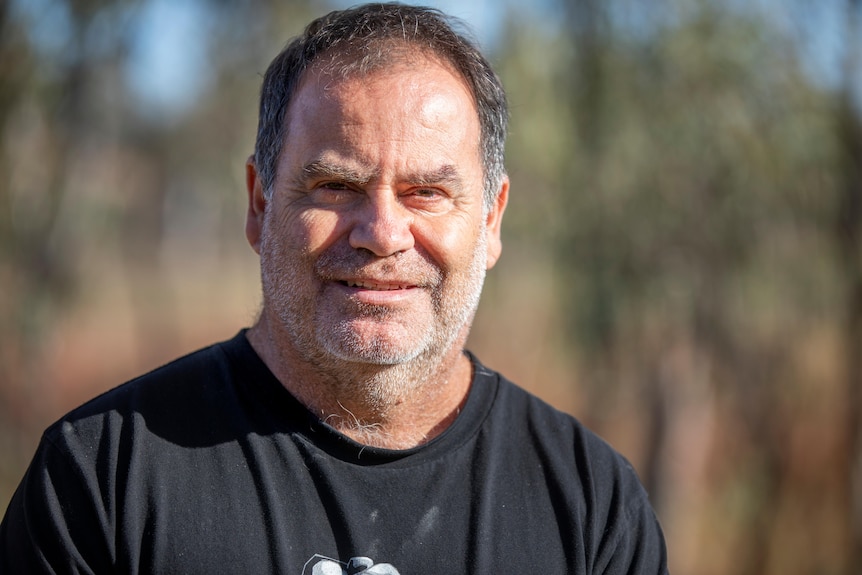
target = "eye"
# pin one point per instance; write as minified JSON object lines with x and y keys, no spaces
{"x":427,"y":199}
{"x":334,"y":186}
{"x":333,"y":193}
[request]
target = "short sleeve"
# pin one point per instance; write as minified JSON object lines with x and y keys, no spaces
{"x":55,"y":522}
{"x":632,"y":541}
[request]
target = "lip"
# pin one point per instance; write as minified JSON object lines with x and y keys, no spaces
{"x":375,"y":291}
{"x":375,"y":285}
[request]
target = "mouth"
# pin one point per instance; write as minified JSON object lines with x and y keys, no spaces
{"x":375,"y":286}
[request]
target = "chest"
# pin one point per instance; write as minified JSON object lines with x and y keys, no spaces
{"x":265,"y":507}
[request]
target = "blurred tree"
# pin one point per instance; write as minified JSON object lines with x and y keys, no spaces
{"x":848,"y":235}
{"x":111,"y":201}
{"x":692,"y":178}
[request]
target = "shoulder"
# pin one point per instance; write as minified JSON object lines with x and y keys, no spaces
{"x":165,"y":396}
{"x":585,"y":474}
{"x":547,"y":426}
{"x":568,"y":451}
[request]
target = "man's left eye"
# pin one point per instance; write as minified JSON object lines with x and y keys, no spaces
{"x":426,"y":193}
{"x":432,"y":200}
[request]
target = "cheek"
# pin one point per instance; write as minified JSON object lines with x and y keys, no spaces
{"x":451,"y":243}
{"x":309,"y":231}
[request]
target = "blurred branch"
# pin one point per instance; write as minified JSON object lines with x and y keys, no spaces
{"x":849,"y":241}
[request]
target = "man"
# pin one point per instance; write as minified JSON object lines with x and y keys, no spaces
{"x":347,"y":431}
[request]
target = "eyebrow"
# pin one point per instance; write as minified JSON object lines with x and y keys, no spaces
{"x":447,"y":175}
{"x":323,"y":170}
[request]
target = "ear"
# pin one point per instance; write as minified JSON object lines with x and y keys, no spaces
{"x":493,"y":222}
{"x":256,"y":205}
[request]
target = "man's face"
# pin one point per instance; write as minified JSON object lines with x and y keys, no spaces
{"x":374,"y":244}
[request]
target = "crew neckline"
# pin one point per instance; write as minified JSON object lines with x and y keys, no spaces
{"x":286,"y":414}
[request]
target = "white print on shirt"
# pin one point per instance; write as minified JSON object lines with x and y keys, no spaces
{"x":320,"y":565}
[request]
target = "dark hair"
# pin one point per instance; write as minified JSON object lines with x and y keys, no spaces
{"x":365,"y":38}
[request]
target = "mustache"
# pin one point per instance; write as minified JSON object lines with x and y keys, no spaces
{"x":410,"y":268}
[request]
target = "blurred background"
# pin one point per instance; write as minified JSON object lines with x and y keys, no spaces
{"x":683,"y":248}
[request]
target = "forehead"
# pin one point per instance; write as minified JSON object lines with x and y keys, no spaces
{"x":411,"y":99}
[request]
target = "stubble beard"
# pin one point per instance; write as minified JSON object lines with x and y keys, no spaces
{"x":377,"y":370}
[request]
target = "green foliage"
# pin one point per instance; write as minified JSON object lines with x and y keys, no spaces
{"x":688,"y":177}
{"x":706,"y":171}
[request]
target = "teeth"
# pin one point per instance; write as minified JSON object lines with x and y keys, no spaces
{"x":373,"y":286}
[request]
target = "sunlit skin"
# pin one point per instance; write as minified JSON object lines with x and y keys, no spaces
{"x":374,"y":246}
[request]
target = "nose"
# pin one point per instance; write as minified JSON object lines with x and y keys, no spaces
{"x":382,"y":226}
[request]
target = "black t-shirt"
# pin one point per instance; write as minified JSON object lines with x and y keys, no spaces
{"x":208,"y":465}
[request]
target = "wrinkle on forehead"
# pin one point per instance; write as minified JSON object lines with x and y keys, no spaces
{"x":360,"y":113}
{"x":434,"y":105}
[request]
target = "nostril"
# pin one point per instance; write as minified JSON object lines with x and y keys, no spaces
{"x":382,"y":237}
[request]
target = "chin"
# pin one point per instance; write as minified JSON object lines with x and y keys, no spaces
{"x":376,"y":343}
{"x":377,"y":351}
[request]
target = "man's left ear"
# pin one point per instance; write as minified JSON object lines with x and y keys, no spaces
{"x":493,"y":223}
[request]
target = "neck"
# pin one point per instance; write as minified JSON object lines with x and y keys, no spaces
{"x":390,"y":406}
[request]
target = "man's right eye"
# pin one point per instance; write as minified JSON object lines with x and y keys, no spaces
{"x":329,"y":193}
{"x":334,"y":186}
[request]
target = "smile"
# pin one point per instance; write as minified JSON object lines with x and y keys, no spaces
{"x":369,"y":285}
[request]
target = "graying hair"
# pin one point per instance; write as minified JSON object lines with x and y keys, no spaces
{"x":368,"y":37}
